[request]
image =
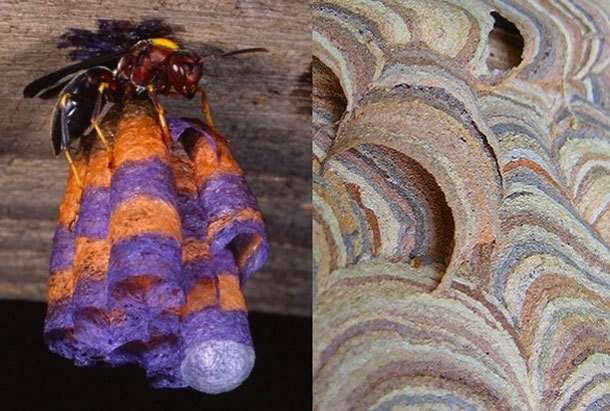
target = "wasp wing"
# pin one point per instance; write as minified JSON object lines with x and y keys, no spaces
{"x":55,"y":90}
{"x":49,"y":80}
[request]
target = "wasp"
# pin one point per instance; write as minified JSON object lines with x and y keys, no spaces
{"x":149,"y":68}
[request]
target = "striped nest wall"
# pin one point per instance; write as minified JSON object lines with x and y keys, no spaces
{"x":461,"y":204}
{"x":149,"y":256}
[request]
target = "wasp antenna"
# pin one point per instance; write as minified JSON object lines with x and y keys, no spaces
{"x":234,"y":52}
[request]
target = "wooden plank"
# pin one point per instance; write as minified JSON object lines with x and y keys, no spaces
{"x":261,"y":102}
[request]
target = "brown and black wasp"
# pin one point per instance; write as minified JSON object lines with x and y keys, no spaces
{"x":120,"y":60}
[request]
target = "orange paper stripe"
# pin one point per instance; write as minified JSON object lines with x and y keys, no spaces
{"x":231,"y":297}
{"x":182,"y":168}
{"x":243,"y":214}
{"x":90,"y":259}
{"x":141,"y":215}
{"x":206,"y":162}
{"x":202,"y":294}
{"x":98,"y":173}
{"x":68,"y":209}
{"x":193,"y":249}
{"x":147,"y":134}
{"x":60,"y":285}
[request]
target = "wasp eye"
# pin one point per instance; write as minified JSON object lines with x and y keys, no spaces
{"x":177,"y":70}
{"x":177,"y":76}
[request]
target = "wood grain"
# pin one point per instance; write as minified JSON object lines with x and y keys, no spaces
{"x":261,"y":102}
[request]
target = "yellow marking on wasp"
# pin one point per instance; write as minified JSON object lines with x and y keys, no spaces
{"x":163,"y":42}
{"x":63,"y":99}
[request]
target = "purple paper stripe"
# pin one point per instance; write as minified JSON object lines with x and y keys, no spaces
{"x":134,"y":327}
{"x":94,"y":213}
{"x":89,"y":293}
{"x":222,"y":262}
{"x":178,"y":126}
{"x":236,"y":228}
{"x":151,"y":178}
{"x":149,"y":254}
{"x":62,"y":253}
{"x":164,"y":295}
{"x":146,"y":254}
{"x":59,"y":315}
{"x":60,"y":342}
{"x":130,"y":352}
{"x":95,"y":339}
{"x":166,"y":378}
{"x":214,"y":324}
{"x":164,"y":325}
{"x":191,"y":216}
{"x":162,"y":362}
{"x":164,"y":371}
{"x":224,"y":194}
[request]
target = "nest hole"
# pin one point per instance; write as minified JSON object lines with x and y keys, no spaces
{"x":328,"y":99}
{"x":505,"y":44}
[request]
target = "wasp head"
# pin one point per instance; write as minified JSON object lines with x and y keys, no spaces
{"x":185,"y":71}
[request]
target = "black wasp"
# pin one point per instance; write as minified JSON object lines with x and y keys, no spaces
{"x":117,"y":61}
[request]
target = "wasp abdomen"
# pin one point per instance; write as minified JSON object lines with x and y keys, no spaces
{"x":76,"y":107}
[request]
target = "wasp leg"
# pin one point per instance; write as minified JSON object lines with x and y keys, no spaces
{"x":167,"y":137}
{"x":205,"y":107}
{"x":73,"y":167}
{"x":66,"y":136}
{"x":97,"y":111}
{"x":80,"y":187}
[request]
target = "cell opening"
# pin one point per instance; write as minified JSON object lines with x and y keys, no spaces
{"x":329,"y":101}
{"x":505,"y":44}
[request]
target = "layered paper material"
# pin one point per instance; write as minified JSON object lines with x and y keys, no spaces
{"x":149,"y":257}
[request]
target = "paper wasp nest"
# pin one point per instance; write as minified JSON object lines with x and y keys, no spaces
{"x":461,"y":205}
{"x":148,"y":259}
